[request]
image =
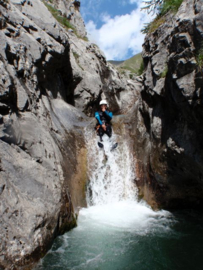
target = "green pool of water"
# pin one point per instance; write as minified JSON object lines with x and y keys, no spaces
{"x":129,"y":236}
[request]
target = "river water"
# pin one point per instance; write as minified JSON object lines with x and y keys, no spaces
{"x":116,"y":232}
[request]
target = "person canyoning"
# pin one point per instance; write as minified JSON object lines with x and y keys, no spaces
{"x":103,"y":120}
{"x":103,"y":126}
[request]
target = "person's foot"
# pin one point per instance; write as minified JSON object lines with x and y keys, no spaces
{"x":100,"y":145}
{"x":114,"y":146}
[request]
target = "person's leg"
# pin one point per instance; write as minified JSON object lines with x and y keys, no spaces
{"x":101,"y":133}
{"x":109,"y":131}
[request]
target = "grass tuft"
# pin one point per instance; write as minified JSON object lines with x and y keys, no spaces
{"x":199,"y":58}
{"x":152,"y":26}
{"x":164,"y":72}
{"x":170,"y":5}
{"x":61,"y":19}
{"x":77,"y":59}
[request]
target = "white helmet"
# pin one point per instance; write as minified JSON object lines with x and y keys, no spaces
{"x":103,"y":102}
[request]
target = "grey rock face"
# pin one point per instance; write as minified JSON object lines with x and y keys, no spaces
{"x":35,"y":182}
{"x":98,"y":79}
{"x":40,"y":150}
{"x":82,"y":73}
{"x":44,"y":70}
{"x":170,"y":112}
{"x":71,"y":10}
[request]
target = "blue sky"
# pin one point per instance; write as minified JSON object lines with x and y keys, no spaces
{"x":114,"y":25}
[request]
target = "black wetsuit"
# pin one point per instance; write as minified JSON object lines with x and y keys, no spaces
{"x":104,"y":118}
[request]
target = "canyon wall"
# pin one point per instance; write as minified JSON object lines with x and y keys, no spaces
{"x":168,"y":118}
{"x":50,"y":76}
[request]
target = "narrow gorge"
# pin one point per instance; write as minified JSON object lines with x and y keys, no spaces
{"x":53,"y":177}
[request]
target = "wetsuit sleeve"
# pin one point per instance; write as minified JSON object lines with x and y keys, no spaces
{"x":98,"y":118}
{"x":109,"y":115}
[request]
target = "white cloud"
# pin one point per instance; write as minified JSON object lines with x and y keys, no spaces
{"x":120,"y":34}
{"x":105,"y":17}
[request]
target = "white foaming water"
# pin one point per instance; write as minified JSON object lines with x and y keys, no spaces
{"x":124,"y":216}
{"x":111,"y":177}
{"x":112,"y":191}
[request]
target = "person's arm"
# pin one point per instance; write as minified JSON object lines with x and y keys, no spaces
{"x":109,"y":115}
{"x":98,"y":118}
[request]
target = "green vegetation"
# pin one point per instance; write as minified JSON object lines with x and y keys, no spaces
{"x":130,"y":66}
{"x":84,"y":38}
{"x":164,"y":72}
{"x":152,"y":26}
{"x":133,"y":63}
{"x":115,"y":63}
{"x":141,"y":69}
{"x":76,"y":56}
{"x":61,"y":19}
{"x":161,"y":7}
{"x":77,"y":59}
{"x":199,"y":58}
{"x":170,"y":5}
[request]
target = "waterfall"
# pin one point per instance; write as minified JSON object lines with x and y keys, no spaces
{"x":115,"y":231}
{"x":111,"y":173}
{"x":111,"y":190}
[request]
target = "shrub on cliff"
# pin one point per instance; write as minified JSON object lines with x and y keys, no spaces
{"x":170,"y":5}
{"x":199,"y":58}
{"x":161,"y":7}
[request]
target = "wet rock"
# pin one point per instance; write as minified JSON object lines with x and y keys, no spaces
{"x":37,"y":190}
{"x":168,"y":133}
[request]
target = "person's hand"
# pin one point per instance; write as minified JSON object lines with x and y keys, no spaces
{"x":104,"y":127}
